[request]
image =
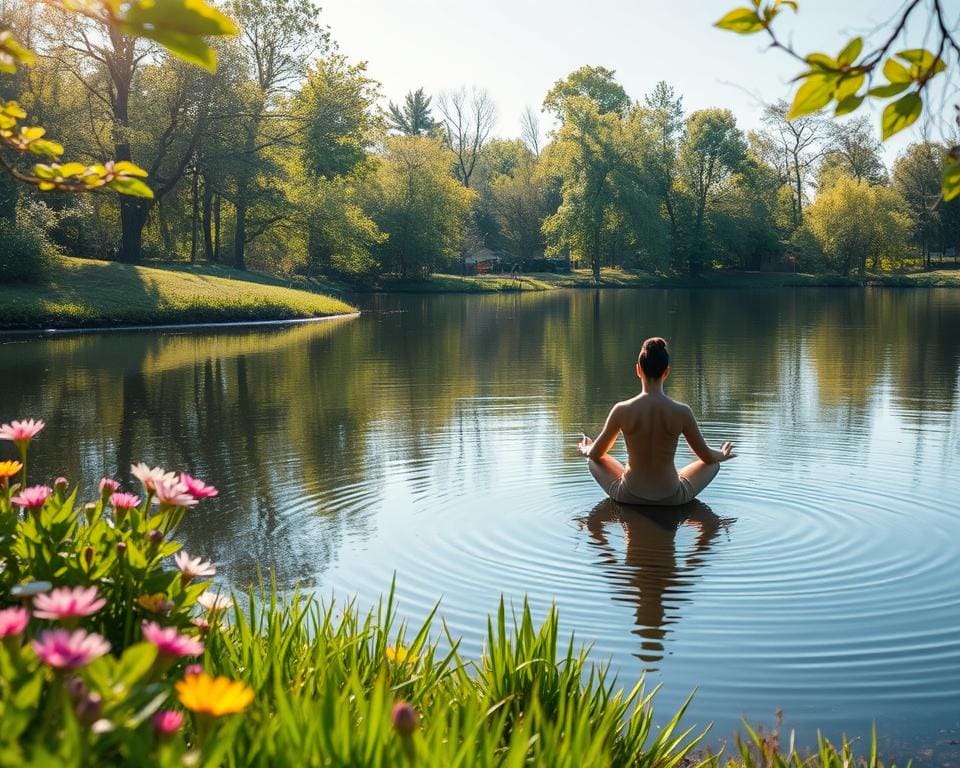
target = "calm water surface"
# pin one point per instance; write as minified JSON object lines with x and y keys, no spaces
{"x":432,"y":438}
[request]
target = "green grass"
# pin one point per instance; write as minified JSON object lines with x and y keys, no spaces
{"x":326,"y":682}
{"x":617,"y":278}
{"x":83,"y":293}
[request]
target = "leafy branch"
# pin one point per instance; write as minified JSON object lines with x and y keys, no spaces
{"x":180,"y":26}
{"x":847,"y":79}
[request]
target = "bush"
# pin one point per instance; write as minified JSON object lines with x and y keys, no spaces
{"x":24,"y":250}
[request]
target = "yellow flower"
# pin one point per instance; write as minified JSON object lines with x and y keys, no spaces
{"x":399,"y":655}
{"x":215,"y":696}
{"x":156,"y":603}
{"x":9,"y":468}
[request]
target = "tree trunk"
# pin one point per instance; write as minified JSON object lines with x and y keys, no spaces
{"x":596,"y":255}
{"x":195,"y":216}
{"x":216,"y":230}
{"x":133,"y":217}
{"x":207,"y":221}
{"x":240,"y":235}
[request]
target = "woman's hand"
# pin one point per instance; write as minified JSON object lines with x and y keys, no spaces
{"x":725,"y":453}
{"x":584,"y":446}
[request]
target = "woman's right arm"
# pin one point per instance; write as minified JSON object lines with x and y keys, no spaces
{"x":694,"y":438}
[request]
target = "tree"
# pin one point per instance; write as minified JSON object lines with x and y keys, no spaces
{"x":711,"y":153}
{"x":849,"y":80}
{"x":280,"y":39}
{"x":853,"y":150}
{"x":417,"y":204}
{"x":664,"y":112}
{"x":856,"y":224}
{"x":607,"y":203}
{"x":595,"y":83}
{"x":530,"y":130}
{"x":792,"y":148}
{"x":916,"y":176}
{"x":336,"y":105}
{"x":468,"y":119}
{"x":413,"y":117}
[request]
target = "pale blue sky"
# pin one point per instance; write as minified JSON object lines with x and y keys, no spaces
{"x":517,"y":48}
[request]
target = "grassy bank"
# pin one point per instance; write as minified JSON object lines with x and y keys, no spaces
{"x":615,"y":278}
{"x":85,"y":293}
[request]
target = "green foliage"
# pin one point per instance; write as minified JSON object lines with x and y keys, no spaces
{"x":857,"y":225}
{"x":24,"y":250}
{"x":337,"y":104}
{"x":595,"y":83}
{"x":413,"y":117}
{"x":418,"y":205}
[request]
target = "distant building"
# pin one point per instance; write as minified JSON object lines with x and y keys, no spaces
{"x":480,"y":261}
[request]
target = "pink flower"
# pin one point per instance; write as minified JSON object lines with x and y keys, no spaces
{"x":124,"y":501}
{"x":214,"y":602}
{"x":150,"y":478}
{"x":13,"y":621}
{"x":33,"y":497}
{"x":167,"y":722}
{"x":108,"y":486}
{"x":193,"y":669}
{"x":173,"y":493}
{"x":61,"y":484}
{"x":67,"y":603}
{"x":21,"y":432}
{"x":191,"y":567}
{"x":169,"y":642}
{"x":197,"y":488}
{"x":61,"y":649}
{"x":405,"y":718}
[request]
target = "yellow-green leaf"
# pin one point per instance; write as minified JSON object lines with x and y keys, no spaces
{"x":901,"y":114}
{"x":743,"y":21}
{"x":951,"y":180}
{"x":821,"y":61}
{"x":190,"y":48}
{"x":133,"y":187}
{"x":886,"y":91}
{"x":848,"y":104}
{"x":32,"y":133}
{"x":850,"y":52}
{"x":47,"y":148}
{"x":126,"y":168}
{"x":896,"y":72}
{"x":188,"y":17}
{"x":813,"y":95}
{"x":848,"y":86}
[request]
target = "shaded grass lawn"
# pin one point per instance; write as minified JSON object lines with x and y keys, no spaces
{"x":86,"y":293}
{"x":616,"y":278}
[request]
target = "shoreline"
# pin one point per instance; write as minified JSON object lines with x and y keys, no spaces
{"x":7,"y":333}
{"x":86,"y":296}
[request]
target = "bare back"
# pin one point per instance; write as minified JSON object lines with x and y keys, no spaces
{"x":651,"y":426}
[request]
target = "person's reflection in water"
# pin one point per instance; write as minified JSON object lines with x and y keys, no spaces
{"x":648,"y":574}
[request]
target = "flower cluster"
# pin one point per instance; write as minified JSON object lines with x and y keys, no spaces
{"x":108,"y":604}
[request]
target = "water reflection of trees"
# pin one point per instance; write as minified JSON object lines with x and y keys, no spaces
{"x":326,"y":406}
{"x":648,"y":574}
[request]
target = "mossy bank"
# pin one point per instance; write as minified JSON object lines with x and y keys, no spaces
{"x":86,"y":293}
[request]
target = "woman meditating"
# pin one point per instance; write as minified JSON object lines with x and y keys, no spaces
{"x":651,"y":424}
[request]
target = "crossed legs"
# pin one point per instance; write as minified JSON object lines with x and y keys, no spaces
{"x":694,"y":477}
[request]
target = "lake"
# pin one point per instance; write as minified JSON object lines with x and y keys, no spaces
{"x":433,"y":438}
